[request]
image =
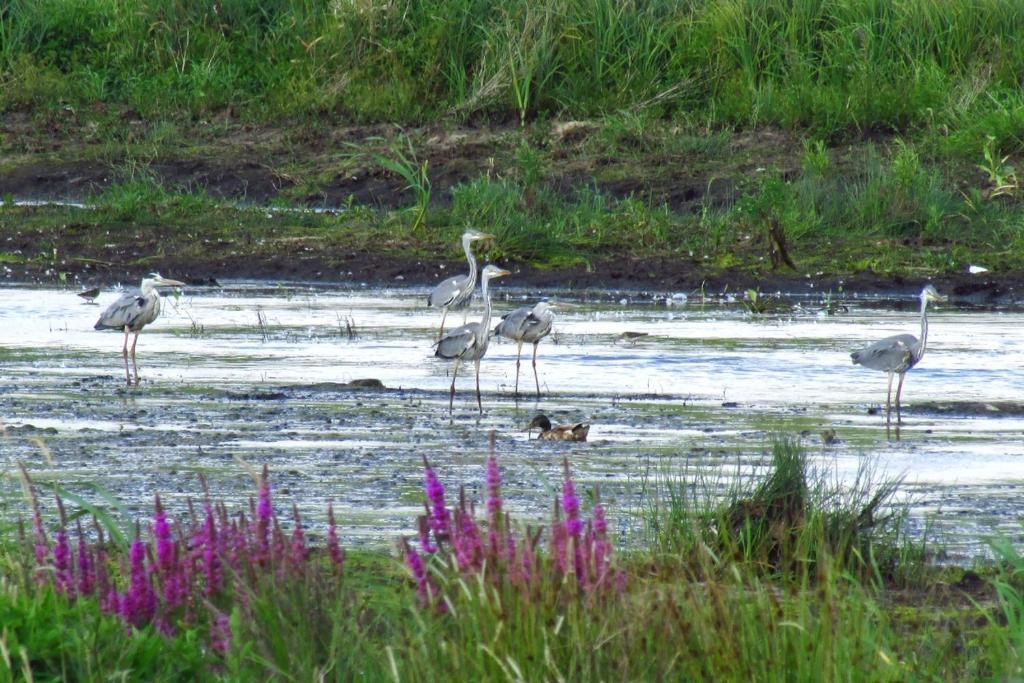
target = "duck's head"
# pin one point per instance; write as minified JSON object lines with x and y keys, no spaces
{"x":541,"y":422}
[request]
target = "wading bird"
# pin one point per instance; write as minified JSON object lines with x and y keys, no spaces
{"x":898,"y":353}
{"x":527,"y":324}
{"x":469,"y":342}
{"x":455,"y":292}
{"x":132,"y":312}
{"x":89,"y":295}
{"x":576,"y":432}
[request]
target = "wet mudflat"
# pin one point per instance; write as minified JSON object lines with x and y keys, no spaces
{"x":243,"y":374}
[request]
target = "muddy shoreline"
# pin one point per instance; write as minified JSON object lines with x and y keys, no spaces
{"x":91,"y":256}
{"x":234,"y":165}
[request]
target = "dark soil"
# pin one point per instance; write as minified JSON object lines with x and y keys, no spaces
{"x":70,"y":157}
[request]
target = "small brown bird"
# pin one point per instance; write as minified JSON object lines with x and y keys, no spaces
{"x":90,"y":295}
{"x":576,"y":432}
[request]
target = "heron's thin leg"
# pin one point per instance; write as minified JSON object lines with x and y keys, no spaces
{"x":479,"y":404}
{"x":519,"y":352}
{"x":535,"y":378}
{"x":124,"y":352}
{"x":134,"y":364}
{"x":444,"y":314}
{"x":451,"y":397}
{"x":888,"y":399}
{"x":899,"y":390}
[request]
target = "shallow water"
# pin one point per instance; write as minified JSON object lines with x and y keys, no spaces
{"x":248,"y":373}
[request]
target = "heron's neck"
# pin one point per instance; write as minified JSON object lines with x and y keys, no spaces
{"x":485,"y":324}
{"x":467,"y":246}
{"x":924,"y":327}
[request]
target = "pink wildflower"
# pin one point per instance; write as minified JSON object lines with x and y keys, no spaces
{"x":334,"y":548}
{"x":439,"y":517}
{"x":264,"y":513}
{"x":493,"y":505}
{"x":419,"y":574}
{"x":299,"y":552}
{"x":220,"y":633}
{"x":138,"y":604}
{"x":86,"y":571}
{"x":211,"y":555}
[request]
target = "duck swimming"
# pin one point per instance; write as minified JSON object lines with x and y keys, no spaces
{"x":576,"y":432}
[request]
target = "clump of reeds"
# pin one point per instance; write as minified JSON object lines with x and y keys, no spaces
{"x":576,"y":565}
{"x":183,"y":574}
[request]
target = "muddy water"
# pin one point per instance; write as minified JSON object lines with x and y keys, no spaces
{"x":246,"y":374}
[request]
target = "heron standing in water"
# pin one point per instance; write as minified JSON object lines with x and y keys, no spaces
{"x":469,"y":342}
{"x":132,"y":312}
{"x":898,"y":353}
{"x":527,"y":324}
{"x":455,"y":292}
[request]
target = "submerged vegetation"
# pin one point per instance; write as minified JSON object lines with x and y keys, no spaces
{"x":784,"y":573}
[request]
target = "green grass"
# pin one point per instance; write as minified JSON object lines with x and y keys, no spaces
{"x":829,"y":66}
{"x":782,"y":577}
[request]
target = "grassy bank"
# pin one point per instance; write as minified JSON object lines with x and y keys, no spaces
{"x":878,"y":209}
{"x":828,"y":66}
{"x":840,"y":136}
{"x":786,"y":576}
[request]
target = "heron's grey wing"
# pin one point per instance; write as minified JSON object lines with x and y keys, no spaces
{"x":511,"y":325}
{"x":451,"y":292}
{"x":122,"y":312}
{"x":892,"y":353}
{"x":457,"y":342}
{"x":537,"y":326}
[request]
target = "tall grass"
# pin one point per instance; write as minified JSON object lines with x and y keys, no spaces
{"x":784,"y":522}
{"x":830,"y":66}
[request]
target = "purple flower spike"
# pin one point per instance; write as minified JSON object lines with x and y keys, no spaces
{"x":419,"y":573}
{"x":42,"y":545}
{"x":264,"y":513}
{"x":63,"y":576}
{"x":299,"y":550}
{"x":164,"y":542}
{"x":558,"y":541}
{"x":440,"y":520}
{"x":211,"y":557}
{"x":86,"y":571}
{"x":138,"y":605}
{"x":602,"y":549}
{"x":571,"y":506}
{"x":220,"y":633}
{"x":334,"y":548}
{"x":424,"y":528}
{"x":493,"y":505}
{"x":493,"y":489}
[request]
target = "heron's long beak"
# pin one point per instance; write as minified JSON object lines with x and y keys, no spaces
{"x":167,"y":282}
{"x":485,"y":236}
{"x":500,"y":273}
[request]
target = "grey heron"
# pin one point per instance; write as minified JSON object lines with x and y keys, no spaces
{"x":469,"y":342}
{"x":455,"y":292}
{"x":898,"y":353}
{"x":575,"y":432}
{"x":132,"y":312}
{"x":527,"y":324}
